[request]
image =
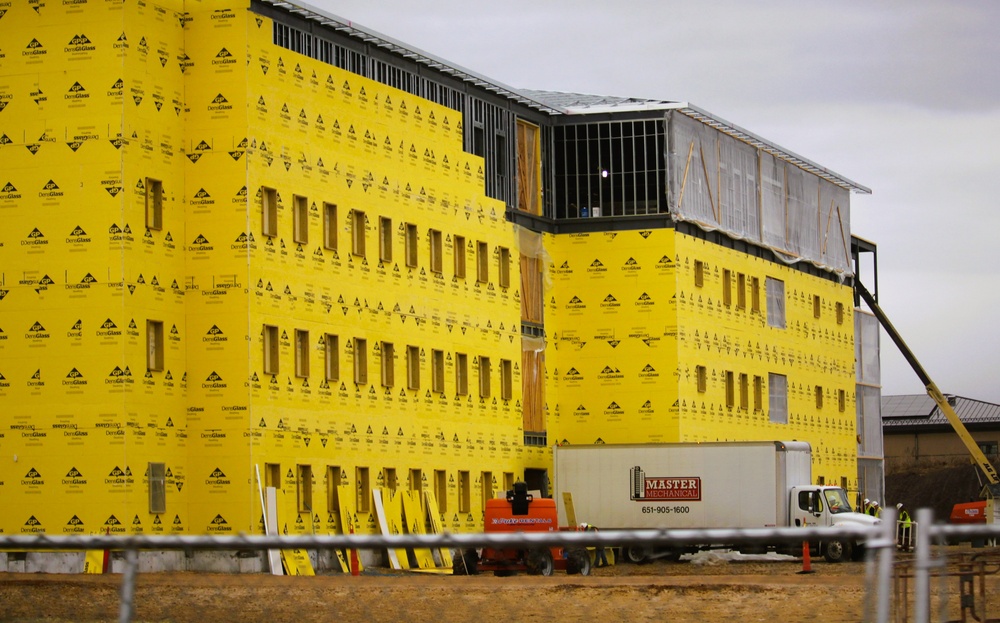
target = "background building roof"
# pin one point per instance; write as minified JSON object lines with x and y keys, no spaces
{"x":913,"y":410}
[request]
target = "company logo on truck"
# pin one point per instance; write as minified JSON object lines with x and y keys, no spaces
{"x":662,"y":488}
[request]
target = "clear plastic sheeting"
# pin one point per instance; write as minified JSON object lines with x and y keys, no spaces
{"x":721,"y":183}
{"x":868,"y":369}
{"x":869,"y":403}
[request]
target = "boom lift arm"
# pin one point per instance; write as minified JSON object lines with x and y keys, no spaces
{"x":992,"y":488}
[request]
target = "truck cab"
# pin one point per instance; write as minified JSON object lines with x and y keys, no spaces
{"x":811,"y":505}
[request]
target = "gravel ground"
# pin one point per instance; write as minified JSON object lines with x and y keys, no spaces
{"x":710,"y":588}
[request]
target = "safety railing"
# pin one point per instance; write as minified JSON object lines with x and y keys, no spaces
{"x":881,"y":542}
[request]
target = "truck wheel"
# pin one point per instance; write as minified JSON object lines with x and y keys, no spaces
{"x":540,"y":562}
{"x":578,"y":561}
{"x":837,"y":551}
{"x":636,"y":554}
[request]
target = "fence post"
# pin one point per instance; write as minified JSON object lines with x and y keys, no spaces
{"x":127,"y":609}
{"x":885,"y":543}
{"x":922,"y":583}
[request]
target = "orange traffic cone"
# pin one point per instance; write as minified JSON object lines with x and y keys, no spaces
{"x":806,"y":560}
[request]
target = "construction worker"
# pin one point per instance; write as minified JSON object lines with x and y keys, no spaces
{"x":600,"y":557}
{"x":904,"y":528}
{"x":874,"y":509}
{"x":867,"y":506}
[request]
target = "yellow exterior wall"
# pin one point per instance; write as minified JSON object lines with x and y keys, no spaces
{"x":612,"y":351}
{"x":628,"y":327}
{"x":215,"y":133}
{"x":96,"y":98}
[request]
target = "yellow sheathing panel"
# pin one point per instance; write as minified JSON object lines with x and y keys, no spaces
{"x":612,"y":355}
{"x":81,"y":128}
{"x":110,"y":107}
{"x":628,"y":330}
{"x":811,"y":352}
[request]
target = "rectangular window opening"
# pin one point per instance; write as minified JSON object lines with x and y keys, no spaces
{"x":758,"y":393}
{"x":506,"y":379}
{"x":482,"y":262}
{"x":385,"y":239}
{"x":358,"y":233}
{"x":271,"y":345}
{"x":504,"y":277}
{"x":441,"y":490}
{"x":272,"y":475}
{"x":701,"y":378}
{"x":154,"y":345}
{"x":841,"y":400}
{"x":461,"y":374}
{"x":360,"y":361}
{"x":331,"y":355}
{"x":741,"y":291}
{"x":775,"y":291}
{"x":819,"y":397}
{"x":269,"y":211}
{"x":157,"y":488}
{"x":699,"y":273}
{"x":464,"y":492}
{"x":459,"y":250}
{"x":484,"y":377}
{"x":840,"y":313}
{"x":333,"y":480}
{"x":154,"y":204}
{"x":730,"y":389}
{"x":388,"y":367}
{"x":389,"y":481}
{"x":727,"y":287}
{"x":411,"y":245}
{"x":755,"y":294}
{"x":300,"y":218}
{"x":303,"y":487}
{"x":486,"y":479}
{"x":817,"y":306}
{"x":744,"y":392}
{"x":777,"y":406}
{"x":413,"y":367}
{"x":437,"y":365}
{"x":301,"y":353}
{"x":437,"y":252}
{"x":330,"y":226}
{"x":364,"y":490}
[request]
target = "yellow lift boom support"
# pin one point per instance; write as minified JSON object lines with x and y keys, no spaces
{"x":992,"y":488}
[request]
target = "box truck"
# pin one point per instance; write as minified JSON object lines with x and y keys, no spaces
{"x":703,"y":486}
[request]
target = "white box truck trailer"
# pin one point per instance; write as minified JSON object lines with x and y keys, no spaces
{"x":702,"y":486}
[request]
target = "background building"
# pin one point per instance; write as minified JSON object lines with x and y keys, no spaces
{"x":262,"y":240}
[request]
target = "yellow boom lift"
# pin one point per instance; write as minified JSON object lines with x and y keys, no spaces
{"x":991,"y":489}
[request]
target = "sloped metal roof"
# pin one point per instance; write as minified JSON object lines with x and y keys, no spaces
{"x":920,"y":410}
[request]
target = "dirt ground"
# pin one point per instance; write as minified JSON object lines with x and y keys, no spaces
{"x":717,"y":590}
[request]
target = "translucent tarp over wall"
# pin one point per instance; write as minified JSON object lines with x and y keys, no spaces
{"x":721,"y":183}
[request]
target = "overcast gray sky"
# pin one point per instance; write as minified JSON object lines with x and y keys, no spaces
{"x":901,"y":97}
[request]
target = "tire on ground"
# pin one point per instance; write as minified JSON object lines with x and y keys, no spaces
{"x":637,"y":554}
{"x":578,"y":562}
{"x":837,"y":550}
{"x":466,"y":562}
{"x":540,"y":562}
